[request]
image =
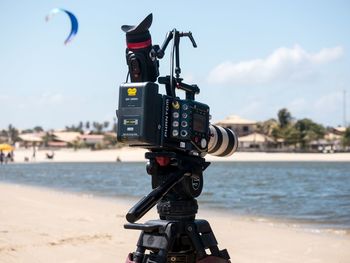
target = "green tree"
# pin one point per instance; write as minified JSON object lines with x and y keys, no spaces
{"x":308,"y":131}
{"x":73,"y":128}
{"x":284,"y":117}
{"x":98,"y":127}
{"x":38,"y":129}
{"x":12,"y":134}
{"x":346,"y":137}
{"x":267,"y":127}
{"x":105,"y":124}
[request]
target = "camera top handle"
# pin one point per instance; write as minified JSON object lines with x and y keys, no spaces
{"x":170,"y":81}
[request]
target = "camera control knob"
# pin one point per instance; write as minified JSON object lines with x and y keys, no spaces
{"x":184,"y":115}
{"x":184,"y":124}
{"x":175,"y":114}
{"x":175,"y":133}
{"x":184,"y":133}
{"x":175,"y":124}
{"x":185,"y":107}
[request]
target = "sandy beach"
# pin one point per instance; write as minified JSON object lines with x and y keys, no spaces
{"x":137,"y":155}
{"x":40,"y":225}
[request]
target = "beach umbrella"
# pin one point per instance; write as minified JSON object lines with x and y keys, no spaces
{"x":6,"y":147}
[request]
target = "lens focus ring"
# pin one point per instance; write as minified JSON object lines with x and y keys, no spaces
{"x":223,"y":141}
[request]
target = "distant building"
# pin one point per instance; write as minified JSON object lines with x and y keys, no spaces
{"x":64,"y":139}
{"x":241,"y":126}
{"x":339,"y":130}
{"x":331,"y":142}
{"x":92,"y":139}
{"x":31,"y":139}
{"x":255,"y":141}
{"x":325,"y":146}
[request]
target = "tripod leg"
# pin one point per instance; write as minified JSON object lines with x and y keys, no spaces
{"x":203,"y":238}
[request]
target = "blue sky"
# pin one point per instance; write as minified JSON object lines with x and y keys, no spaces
{"x":253,"y":58}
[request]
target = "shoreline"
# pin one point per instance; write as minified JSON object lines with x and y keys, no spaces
{"x":137,"y":155}
{"x":38,"y":223}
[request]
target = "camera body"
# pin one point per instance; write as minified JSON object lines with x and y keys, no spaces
{"x":152,"y":120}
{"x":155,"y":121}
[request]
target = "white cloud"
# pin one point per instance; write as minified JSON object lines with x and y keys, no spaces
{"x":282,"y":64}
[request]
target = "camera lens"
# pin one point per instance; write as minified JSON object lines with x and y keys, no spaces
{"x":223,"y":141}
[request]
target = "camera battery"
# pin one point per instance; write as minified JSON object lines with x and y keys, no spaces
{"x":138,"y":113}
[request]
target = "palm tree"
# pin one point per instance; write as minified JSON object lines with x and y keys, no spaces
{"x":12,"y":134}
{"x":105,"y":124}
{"x":284,"y":117}
{"x":267,"y":127}
{"x":98,"y":127}
{"x":308,"y":131}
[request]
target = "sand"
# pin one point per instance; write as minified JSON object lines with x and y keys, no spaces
{"x":137,"y":155}
{"x":41,"y":225}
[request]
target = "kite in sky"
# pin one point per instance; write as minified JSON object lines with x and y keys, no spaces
{"x":73,"y":20}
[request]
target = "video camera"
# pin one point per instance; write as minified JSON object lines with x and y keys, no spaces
{"x":154,"y":121}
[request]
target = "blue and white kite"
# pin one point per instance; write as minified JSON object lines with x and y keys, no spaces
{"x":73,"y":20}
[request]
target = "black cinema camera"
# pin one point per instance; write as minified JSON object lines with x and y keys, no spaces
{"x":178,"y":134}
{"x":154,"y":121}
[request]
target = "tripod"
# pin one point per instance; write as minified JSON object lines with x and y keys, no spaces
{"x":177,"y":236}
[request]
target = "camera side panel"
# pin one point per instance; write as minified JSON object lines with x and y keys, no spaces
{"x":139,"y":114}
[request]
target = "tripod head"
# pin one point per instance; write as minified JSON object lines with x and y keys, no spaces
{"x":176,"y":180}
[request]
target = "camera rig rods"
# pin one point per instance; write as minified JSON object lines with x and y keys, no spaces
{"x":176,"y":81}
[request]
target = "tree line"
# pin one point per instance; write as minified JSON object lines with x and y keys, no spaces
{"x":297,"y":133}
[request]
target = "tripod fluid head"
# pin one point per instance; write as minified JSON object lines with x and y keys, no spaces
{"x":176,"y":180}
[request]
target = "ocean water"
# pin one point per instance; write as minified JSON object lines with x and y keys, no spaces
{"x":311,"y":193}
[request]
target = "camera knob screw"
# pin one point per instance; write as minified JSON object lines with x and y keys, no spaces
{"x":203,"y":143}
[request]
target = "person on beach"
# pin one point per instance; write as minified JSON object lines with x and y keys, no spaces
{"x":9,"y":157}
{"x":2,"y":157}
{"x":34,"y":153}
